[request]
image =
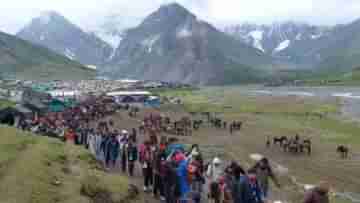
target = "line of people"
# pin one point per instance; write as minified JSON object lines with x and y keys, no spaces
{"x":175,"y":175}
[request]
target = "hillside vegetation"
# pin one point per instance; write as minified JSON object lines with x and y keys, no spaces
{"x":42,"y":170}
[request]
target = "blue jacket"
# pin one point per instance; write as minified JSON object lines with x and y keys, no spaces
{"x":181,"y":172}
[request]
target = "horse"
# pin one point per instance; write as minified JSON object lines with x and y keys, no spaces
{"x":280,"y":140}
{"x":306,"y":144}
{"x":343,"y":151}
{"x":235,"y":125}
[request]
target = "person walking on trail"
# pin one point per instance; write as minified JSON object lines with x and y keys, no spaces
{"x":214,"y":173}
{"x":158,"y":189}
{"x":132,"y":153}
{"x":241,"y":191}
{"x":98,"y":141}
{"x":123,"y":140}
{"x":319,"y":194}
{"x":182,"y":174}
{"x":113,"y":147}
{"x":171,"y":183}
{"x":104,"y":148}
{"x":195,"y":176}
{"x":124,"y":155}
{"x":264,"y":172}
{"x":257,"y":195}
{"x":214,"y":170}
{"x":91,"y":142}
{"x":146,"y":160}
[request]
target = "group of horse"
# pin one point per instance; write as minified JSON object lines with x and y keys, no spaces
{"x":293,"y":145}
{"x":297,"y":145}
{"x":186,"y":125}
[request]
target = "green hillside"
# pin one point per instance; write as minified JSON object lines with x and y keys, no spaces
{"x":42,"y":170}
{"x":27,"y":61}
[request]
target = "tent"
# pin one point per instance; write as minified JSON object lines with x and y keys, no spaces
{"x":128,"y":99}
{"x":153,"y":102}
{"x":57,"y":106}
{"x":69,"y":102}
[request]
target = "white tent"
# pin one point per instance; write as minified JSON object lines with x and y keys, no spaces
{"x":128,"y":93}
{"x":63,"y":93}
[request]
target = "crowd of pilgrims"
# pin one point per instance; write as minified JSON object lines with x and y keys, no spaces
{"x":169,"y":171}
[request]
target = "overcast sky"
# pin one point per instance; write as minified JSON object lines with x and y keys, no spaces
{"x":88,"y":13}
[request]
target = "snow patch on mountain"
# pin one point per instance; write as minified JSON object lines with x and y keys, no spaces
{"x":317,"y":36}
{"x":149,"y":42}
{"x":92,"y":67}
{"x":283,"y":45}
{"x":184,"y":32}
{"x":298,"y":36}
{"x":113,"y":53}
{"x":257,"y":35}
{"x":112,"y":39}
{"x":42,"y":37}
{"x":68,"y":53}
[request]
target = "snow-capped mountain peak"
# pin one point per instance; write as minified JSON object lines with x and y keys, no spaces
{"x":277,"y":39}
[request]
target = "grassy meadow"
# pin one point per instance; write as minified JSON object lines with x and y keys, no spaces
{"x":42,"y":170}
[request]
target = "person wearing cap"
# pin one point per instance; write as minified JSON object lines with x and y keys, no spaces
{"x":320,"y":194}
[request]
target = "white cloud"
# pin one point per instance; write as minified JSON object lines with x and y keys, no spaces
{"x":88,"y":13}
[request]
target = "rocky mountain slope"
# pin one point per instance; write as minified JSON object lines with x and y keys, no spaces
{"x":55,"y":32}
{"x":24,"y":60}
{"x":173,"y":45}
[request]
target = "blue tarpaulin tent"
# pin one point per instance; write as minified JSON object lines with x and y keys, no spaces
{"x":153,"y":102}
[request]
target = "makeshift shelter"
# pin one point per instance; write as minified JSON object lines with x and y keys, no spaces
{"x":128,"y":99}
{"x":128,"y":93}
{"x":56,"y":105}
{"x":153,"y":102}
{"x":69,"y":102}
